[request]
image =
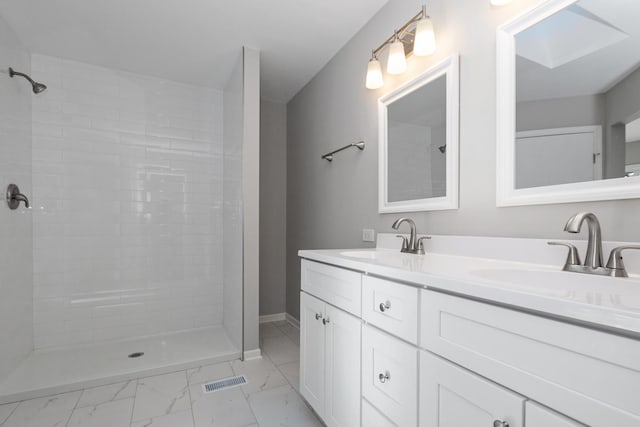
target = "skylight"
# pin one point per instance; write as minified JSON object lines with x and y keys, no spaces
{"x":565,"y":36}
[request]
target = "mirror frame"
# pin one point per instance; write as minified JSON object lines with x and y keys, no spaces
{"x":448,"y":67}
{"x":506,"y":193}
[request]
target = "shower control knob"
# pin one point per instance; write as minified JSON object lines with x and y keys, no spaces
{"x":14,"y":197}
{"x":500,"y":423}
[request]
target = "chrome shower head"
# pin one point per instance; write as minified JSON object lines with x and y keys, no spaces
{"x":37,"y":87}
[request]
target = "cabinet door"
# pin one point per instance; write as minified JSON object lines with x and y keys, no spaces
{"x":312,"y":351}
{"x":342,"y":403}
{"x":539,"y":416}
{"x":451,"y":396}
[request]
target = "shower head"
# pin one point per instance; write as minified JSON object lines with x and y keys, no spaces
{"x":37,"y":87}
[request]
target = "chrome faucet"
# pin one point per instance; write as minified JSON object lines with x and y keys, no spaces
{"x":413,"y":245}
{"x":593,"y":260}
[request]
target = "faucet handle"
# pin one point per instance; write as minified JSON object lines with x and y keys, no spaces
{"x":421,"y":244}
{"x":615,"y":260}
{"x":573,"y":258}
{"x":405,"y":243}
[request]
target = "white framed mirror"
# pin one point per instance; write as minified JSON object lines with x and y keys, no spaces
{"x":418,"y":142}
{"x":568,"y":103}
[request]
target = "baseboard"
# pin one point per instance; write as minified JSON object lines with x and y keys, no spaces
{"x":253,"y":354}
{"x":292,"y":320}
{"x":278,"y":317}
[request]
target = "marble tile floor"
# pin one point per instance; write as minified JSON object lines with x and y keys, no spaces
{"x":176,"y":399}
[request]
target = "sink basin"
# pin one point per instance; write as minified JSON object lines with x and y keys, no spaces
{"x":360,"y":254}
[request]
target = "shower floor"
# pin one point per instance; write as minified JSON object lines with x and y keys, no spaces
{"x":51,"y":371}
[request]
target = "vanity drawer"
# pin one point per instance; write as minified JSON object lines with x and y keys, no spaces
{"x":391,"y":306}
{"x":589,"y":375}
{"x":538,"y":416}
{"x":337,"y":286}
{"x":390,"y":376}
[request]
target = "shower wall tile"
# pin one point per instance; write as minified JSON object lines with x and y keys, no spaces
{"x":16,"y":284}
{"x":128,"y":211}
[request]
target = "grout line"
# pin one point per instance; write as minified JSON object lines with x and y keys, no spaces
{"x":193,"y":415}
{"x":246,"y":399}
{"x":11,"y":413}
{"x":74,"y":406}
{"x":135,"y":396}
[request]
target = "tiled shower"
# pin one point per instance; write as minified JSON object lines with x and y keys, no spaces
{"x":133,"y":181}
{"x":127,"y":194}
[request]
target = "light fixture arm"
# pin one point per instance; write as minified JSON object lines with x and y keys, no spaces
{"x":400,"y":33}
{"x":416,"y":34}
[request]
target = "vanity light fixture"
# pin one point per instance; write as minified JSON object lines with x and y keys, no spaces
{"x":374,"y":73}
{"x":425,"y":41}
{"x":397,"y":62}
{"x":415,"y":36}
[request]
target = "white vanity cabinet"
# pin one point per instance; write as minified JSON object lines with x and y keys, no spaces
{"x":330,"y":347}
{"x":432,"y":359}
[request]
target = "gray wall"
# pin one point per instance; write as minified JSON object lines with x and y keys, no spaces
{"x":328,"y":204}
{"x":623,"y":105}
{"x":273,"y":206}
{"x":633,"y":153}
{"x":16,"y":244}
{"x":586,"y":110}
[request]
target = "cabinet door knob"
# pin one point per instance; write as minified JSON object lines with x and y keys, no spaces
{"x":500,"y":423}
{"x":325,"y":321}
{"x":318,"y":316}
{"x":385,"y":306}
{"x":386,"y":377}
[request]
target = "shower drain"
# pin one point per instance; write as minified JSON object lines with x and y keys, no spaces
{"x":136,"y":354}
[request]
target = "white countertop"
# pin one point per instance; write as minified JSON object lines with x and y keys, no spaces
{"x":611,"y":303}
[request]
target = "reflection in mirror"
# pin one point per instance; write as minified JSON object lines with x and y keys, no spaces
{"x":578,"y":95}
{"x":418,"y":142}
{"x":568,"y":103}
{"x":416,"y":126}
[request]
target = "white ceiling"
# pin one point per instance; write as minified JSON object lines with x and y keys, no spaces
{"x":193,"y":41}
{"x":591,"y":72}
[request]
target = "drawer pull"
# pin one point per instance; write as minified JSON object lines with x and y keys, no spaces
{"x":385,"y":306}
{"x":318,"y":316}
{"x":325,"y":321}
{"x":500,"y":423}
{"x":386,"y":377}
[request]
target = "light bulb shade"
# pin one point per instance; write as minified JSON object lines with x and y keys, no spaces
{"x":425,"y":41}
{"x":374,"y":75}
{"x":396,"y":63}
{"x":499,"y":2}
